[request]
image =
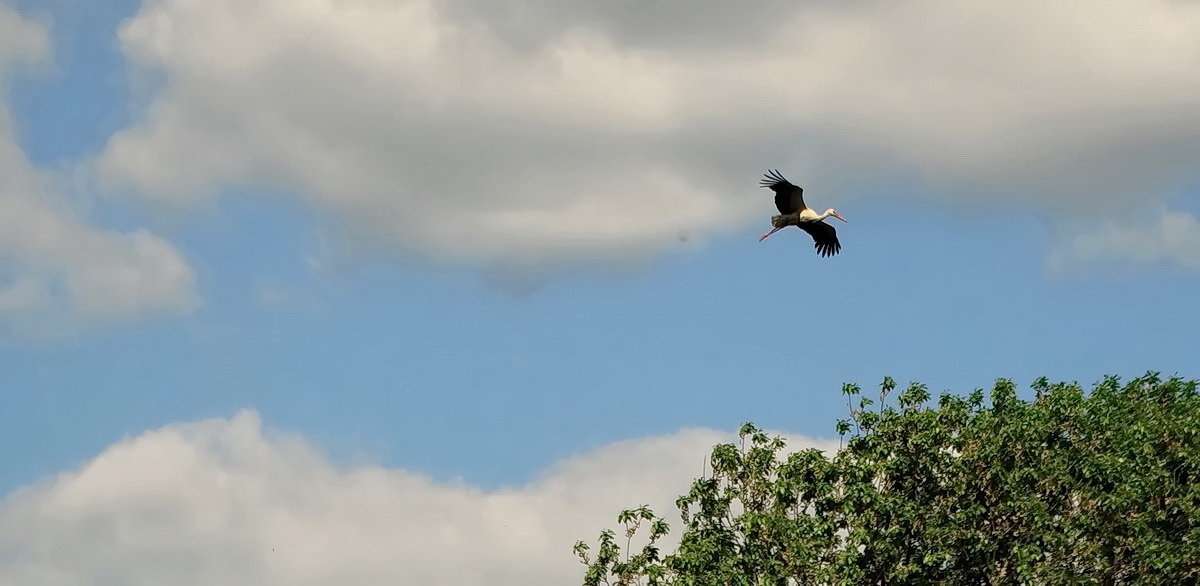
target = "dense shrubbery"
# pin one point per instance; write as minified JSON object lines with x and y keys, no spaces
{"x":1067,"y":488}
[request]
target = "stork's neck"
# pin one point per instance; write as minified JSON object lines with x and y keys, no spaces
{"x":811,"y":215}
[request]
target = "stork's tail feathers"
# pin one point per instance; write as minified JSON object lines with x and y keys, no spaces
{"x":784,"y":220}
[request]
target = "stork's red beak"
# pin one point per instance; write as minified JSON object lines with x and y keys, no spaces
{"x":764,"y":236}
{"x":839,"y":216}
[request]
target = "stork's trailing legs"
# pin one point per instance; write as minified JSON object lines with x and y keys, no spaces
{"x":781,"y":222}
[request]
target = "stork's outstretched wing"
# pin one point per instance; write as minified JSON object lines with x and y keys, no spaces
{"x":824,"y":237}
{"x":789,"y":198}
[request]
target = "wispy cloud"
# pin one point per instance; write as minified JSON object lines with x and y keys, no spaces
{"x":1172,"y":237}
{"x":57,"y":271}
{"x":222,"y":502}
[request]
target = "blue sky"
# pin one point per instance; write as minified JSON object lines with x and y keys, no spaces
{"x":394,"y":345}
{"x":434,"y":368}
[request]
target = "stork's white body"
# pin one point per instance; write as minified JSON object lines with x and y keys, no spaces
{"x":804,"y":215}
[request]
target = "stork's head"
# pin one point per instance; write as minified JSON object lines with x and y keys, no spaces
{"x":834,"y":213}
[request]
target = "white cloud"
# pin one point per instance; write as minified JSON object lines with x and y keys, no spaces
{"x":55,"y":268}
{"x":536,"y":132}
{"x":220,"y":502}
{"x":1166,"y":237}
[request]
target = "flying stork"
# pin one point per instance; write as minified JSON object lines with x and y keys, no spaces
{"x":790,"y":201}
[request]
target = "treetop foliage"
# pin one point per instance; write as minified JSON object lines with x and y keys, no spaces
{"x":1070,"y":487}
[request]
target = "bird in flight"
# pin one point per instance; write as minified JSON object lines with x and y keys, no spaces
{"x":789,"y":199}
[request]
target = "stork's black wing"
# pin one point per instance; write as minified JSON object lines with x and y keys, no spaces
{"x":788,"y":198}
{"x":824,"y":236}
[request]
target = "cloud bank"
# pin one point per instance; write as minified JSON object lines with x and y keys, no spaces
{"x":539,"y":132}
{"x":57,"y":270}
{"x":223,"y":502}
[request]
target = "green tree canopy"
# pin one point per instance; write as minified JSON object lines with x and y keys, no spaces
{"x":1066,"y":488}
